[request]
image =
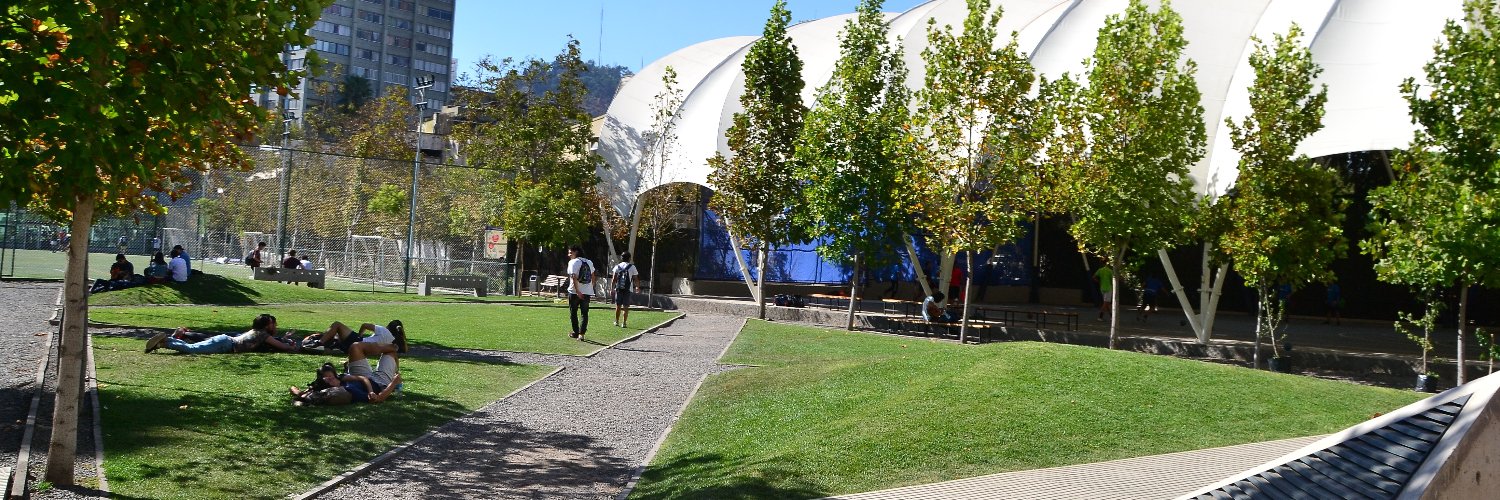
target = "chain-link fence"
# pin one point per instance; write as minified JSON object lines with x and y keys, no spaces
{"x":348,"y":215}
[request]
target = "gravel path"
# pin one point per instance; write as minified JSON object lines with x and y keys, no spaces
{"x":578,"y":434}
{"x":27,"y":305}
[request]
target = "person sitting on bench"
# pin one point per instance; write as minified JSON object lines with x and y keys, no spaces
{"x":933,"y":311}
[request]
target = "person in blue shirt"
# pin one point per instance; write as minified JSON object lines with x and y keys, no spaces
{"x":359,"y":382}
{"x":185,"y":258}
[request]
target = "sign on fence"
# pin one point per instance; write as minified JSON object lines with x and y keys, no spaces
{"x":494,"y":244}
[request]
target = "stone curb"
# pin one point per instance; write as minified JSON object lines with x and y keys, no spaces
{"x":365,"y":468}
{"x":16,"y":481}
{"x":91,"y":384}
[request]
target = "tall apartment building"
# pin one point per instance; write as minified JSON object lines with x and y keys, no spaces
{"x":388,"y":42}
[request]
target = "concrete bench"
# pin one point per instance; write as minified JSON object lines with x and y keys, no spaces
{"x":313,"y":278}
{"x":479,"y":284}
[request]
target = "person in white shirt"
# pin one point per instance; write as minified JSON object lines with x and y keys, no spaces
{"x":624,"y":278}
{"x":580,"y":290}
{"x":178,"y":267}
{"x":340,"y":336}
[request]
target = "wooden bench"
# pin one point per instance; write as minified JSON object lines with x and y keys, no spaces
{"x":897,"y":306}
{"x":480,"y":284}
{"x":980,"y":331}
{"x":555,"y":281}
{"x":1038,"y":319}
{"x":313,"y":278}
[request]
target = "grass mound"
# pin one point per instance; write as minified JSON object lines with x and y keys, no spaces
{"x":830,"y":412}
{"x":542,"y":329}
{"x":230,"y":289}
{"x":222,"y":426}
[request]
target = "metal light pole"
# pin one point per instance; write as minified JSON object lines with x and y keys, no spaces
{"x":423,"y":83}
{"x":286,"y":179}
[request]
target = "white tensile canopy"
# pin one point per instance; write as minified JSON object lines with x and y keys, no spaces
{"x":1365,"y":47}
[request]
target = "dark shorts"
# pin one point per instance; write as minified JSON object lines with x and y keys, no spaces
{"x":622,"y":297}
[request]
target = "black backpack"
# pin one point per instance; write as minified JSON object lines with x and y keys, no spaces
{"x":585,"y":272}
{"x":622,"y":277}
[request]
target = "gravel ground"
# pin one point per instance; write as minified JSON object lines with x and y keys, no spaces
{"x":578,"y":434}
{"x":24,"y":334}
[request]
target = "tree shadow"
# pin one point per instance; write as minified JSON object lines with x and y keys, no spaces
{"x":215,"y":289}
{"x":724,"y":477}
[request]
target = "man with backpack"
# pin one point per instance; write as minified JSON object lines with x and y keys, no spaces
{"x":580,"y":289}
{"x":624,"y":277}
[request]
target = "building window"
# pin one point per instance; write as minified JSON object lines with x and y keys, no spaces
{"x":376,"y":2}
{"x":335,"y":28}
{"x":335,"y":48}
{"x":398,"y":23}
{"x":373,"y":17}
{"x":367,"y":54}
{"x":396,"y":79}
{"x":396,"y":60}
{"x":440,"y":86}
{"x":428,"y":29}
{"x":432,"y":48}
{"x":399,"y":42}
{"x":338,"y":10}
{"x":430,"y":67}
{"x":367,"y":35}
{"x":366,"y":73}
{"x":404,"y":5}
{"x":436,"y":13}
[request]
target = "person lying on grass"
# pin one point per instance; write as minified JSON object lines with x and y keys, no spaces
{"x":359,"y":383}
{"x":262,"y":332}
{"x":339,"y":336}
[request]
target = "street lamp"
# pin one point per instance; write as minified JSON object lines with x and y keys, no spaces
{"x":286,"y":173}
{"x":422,"y":84}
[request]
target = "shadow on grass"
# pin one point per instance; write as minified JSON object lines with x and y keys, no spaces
{"x":215,"y":289}
{"x":711,"y":475}
{"x":160,"y":438}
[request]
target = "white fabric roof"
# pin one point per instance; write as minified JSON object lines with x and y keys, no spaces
{"x":1366,"y":47}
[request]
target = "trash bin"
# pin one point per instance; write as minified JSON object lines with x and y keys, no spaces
{"x":533,"y":284}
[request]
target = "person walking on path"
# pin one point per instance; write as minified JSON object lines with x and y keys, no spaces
{"x":155,"y":244}
{"x":580,"y":290}
{"x":120,"y":244}
{"x":624,"y":277}
{"x":1105,"y":277}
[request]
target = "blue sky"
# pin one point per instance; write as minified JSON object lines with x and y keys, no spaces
{"x":636,"y":32}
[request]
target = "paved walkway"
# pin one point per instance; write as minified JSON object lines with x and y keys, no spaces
{"x":1160,"y":476}
{"x":578,"y":434}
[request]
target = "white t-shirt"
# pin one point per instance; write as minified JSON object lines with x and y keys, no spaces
{"x":307,"y":264}
{"x":629,"y":270}
{"x":380,"y":335}
{"x":178,"y":268}
{"x":574,"y":286}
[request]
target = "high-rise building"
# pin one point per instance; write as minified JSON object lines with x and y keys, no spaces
{"x":389,"y":43}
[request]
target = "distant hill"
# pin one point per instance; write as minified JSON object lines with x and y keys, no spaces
{"x":601,"y":81}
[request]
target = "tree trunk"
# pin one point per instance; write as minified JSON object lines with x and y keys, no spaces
{"x":1463,"y":325}
{"x":916,"y":265}
{"x":609,"y":233}
{"x":63,"y":448}
{"x":651,"y":278}
{"x":1212,"y":311}
{"x":760,"y":284}
{"x":853,"y":294}
{"x":963,"y":326}
{"x":1116,"y":262}
{"x":520,"y":264}
{"x":635,"y":223}
{"x":739,"y":258}
{"x":1260,"y":320}
{"x":1182,"y":298}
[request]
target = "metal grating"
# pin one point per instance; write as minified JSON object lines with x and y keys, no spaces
{"x":1374,"y":465}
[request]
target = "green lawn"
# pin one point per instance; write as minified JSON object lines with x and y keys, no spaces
{"x":179,"y":426}
{"x":538,"y":328}
{"x":831,"y":412}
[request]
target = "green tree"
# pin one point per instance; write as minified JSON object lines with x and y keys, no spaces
{"x":1285,"y":218}
{"x":357,"y":92}
{"x":977,"y":134}
{"x":1140,"y":116}
{"x":660,"y":142}
{"x":661,"y":209}
{"x":755,"y":192}
{"x":104,"y":102}
{"x":1434,"y":226}
{"x":534,"y":143}
{"x":846,"y":156}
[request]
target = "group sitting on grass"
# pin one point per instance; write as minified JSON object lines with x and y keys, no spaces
{"x":359,"y":383}
{"x":260,"y":336}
